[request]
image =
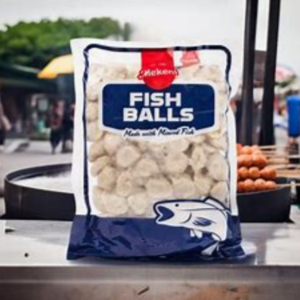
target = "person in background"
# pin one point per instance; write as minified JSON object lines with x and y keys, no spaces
{"x":56,"y":120}
{"x":4,"y":126}
{"x":67,"y":129}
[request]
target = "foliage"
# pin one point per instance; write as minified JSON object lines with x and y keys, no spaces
{"x":35,"y":43}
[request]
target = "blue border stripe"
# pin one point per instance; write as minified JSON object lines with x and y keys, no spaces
{"x":85,"y":176}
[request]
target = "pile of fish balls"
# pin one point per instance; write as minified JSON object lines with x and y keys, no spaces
{"x":131,"y":175}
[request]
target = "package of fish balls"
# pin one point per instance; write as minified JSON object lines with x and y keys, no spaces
{"x":154,"y":164}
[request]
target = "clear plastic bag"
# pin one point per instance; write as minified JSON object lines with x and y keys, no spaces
{"x":156,"y":139}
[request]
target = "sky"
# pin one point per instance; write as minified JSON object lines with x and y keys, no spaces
{"x":205,"y":21}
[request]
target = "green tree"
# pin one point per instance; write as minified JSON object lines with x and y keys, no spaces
{"x":35,"y":43}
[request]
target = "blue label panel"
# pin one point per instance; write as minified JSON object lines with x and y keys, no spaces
{"x":138,"y":107}
{"x":143,"y":238}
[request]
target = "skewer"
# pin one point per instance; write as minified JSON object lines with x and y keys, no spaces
{"x":290,"y":175}
{"x":278,"y":161}
{"x":274,"y":151}
{"x":286,"y":167}
{"x":275,"y":157}
{"x":288,"y":172}
{"x":288,"y":184}
{"x":272,"y":154}
{"x":283,"y":156}
{"x":280,"y":185}
{"x":295,"y":170}
{"x":274,"y":147}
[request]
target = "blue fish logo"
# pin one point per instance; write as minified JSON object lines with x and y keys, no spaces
{"x":199,"y":216}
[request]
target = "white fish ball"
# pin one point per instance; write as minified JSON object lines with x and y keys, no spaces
{"x":203,"y":184}
{"x":146,"y":167}
{"x":93,"y":131}
{"x":93,"y":89}
{"x":98,"y":199}
{"x":184,"y":187}
{"x":112,"y":142}
{"x":107,"y":178}
{"x":198,"y":159}
{"x":96,"y":150}
{"x":197,"y":139}
{"x":176,"y":163}
{"x":188,"y":73}
{"x":99,"y":73}
{"x":180,"y":145}
{"x":92,"y":111}
{"x":143,"y":146}
{"x":115,"y":205}
{"x":220,"y":191}
{"x":100,"y":164}
{"x":127,"y":155}
{"x":217,"y":167}
{"x":208,"y":149}
{"x":139,"y":203}
{"x":124,"y":186}
{"x":209,"y":73}
{"x":219,"y":143}
{"x":156,"y":151}
{"x":133,"y":71}
{"x":115,"y":72}
{"x":159,"y":188}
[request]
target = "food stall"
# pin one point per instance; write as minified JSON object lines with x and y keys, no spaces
{"x":33,"y":260}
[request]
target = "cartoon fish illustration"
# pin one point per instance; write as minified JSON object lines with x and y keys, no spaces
{"x":200,"y":216}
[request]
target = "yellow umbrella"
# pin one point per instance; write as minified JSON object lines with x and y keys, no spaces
{"x":57,"y":66}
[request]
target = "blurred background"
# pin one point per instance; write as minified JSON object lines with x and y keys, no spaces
{"x":36,"y":68}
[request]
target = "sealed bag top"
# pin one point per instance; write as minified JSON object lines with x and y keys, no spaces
{"x":154,"y":167}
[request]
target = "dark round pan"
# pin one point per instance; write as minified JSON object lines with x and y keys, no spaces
{"x":271,"y":206}
{"x":34,"y":203}
{"x":296,"y":199}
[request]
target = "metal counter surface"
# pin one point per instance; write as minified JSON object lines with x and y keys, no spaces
{"x":44,"y":243}
{"x":33,"y":266}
